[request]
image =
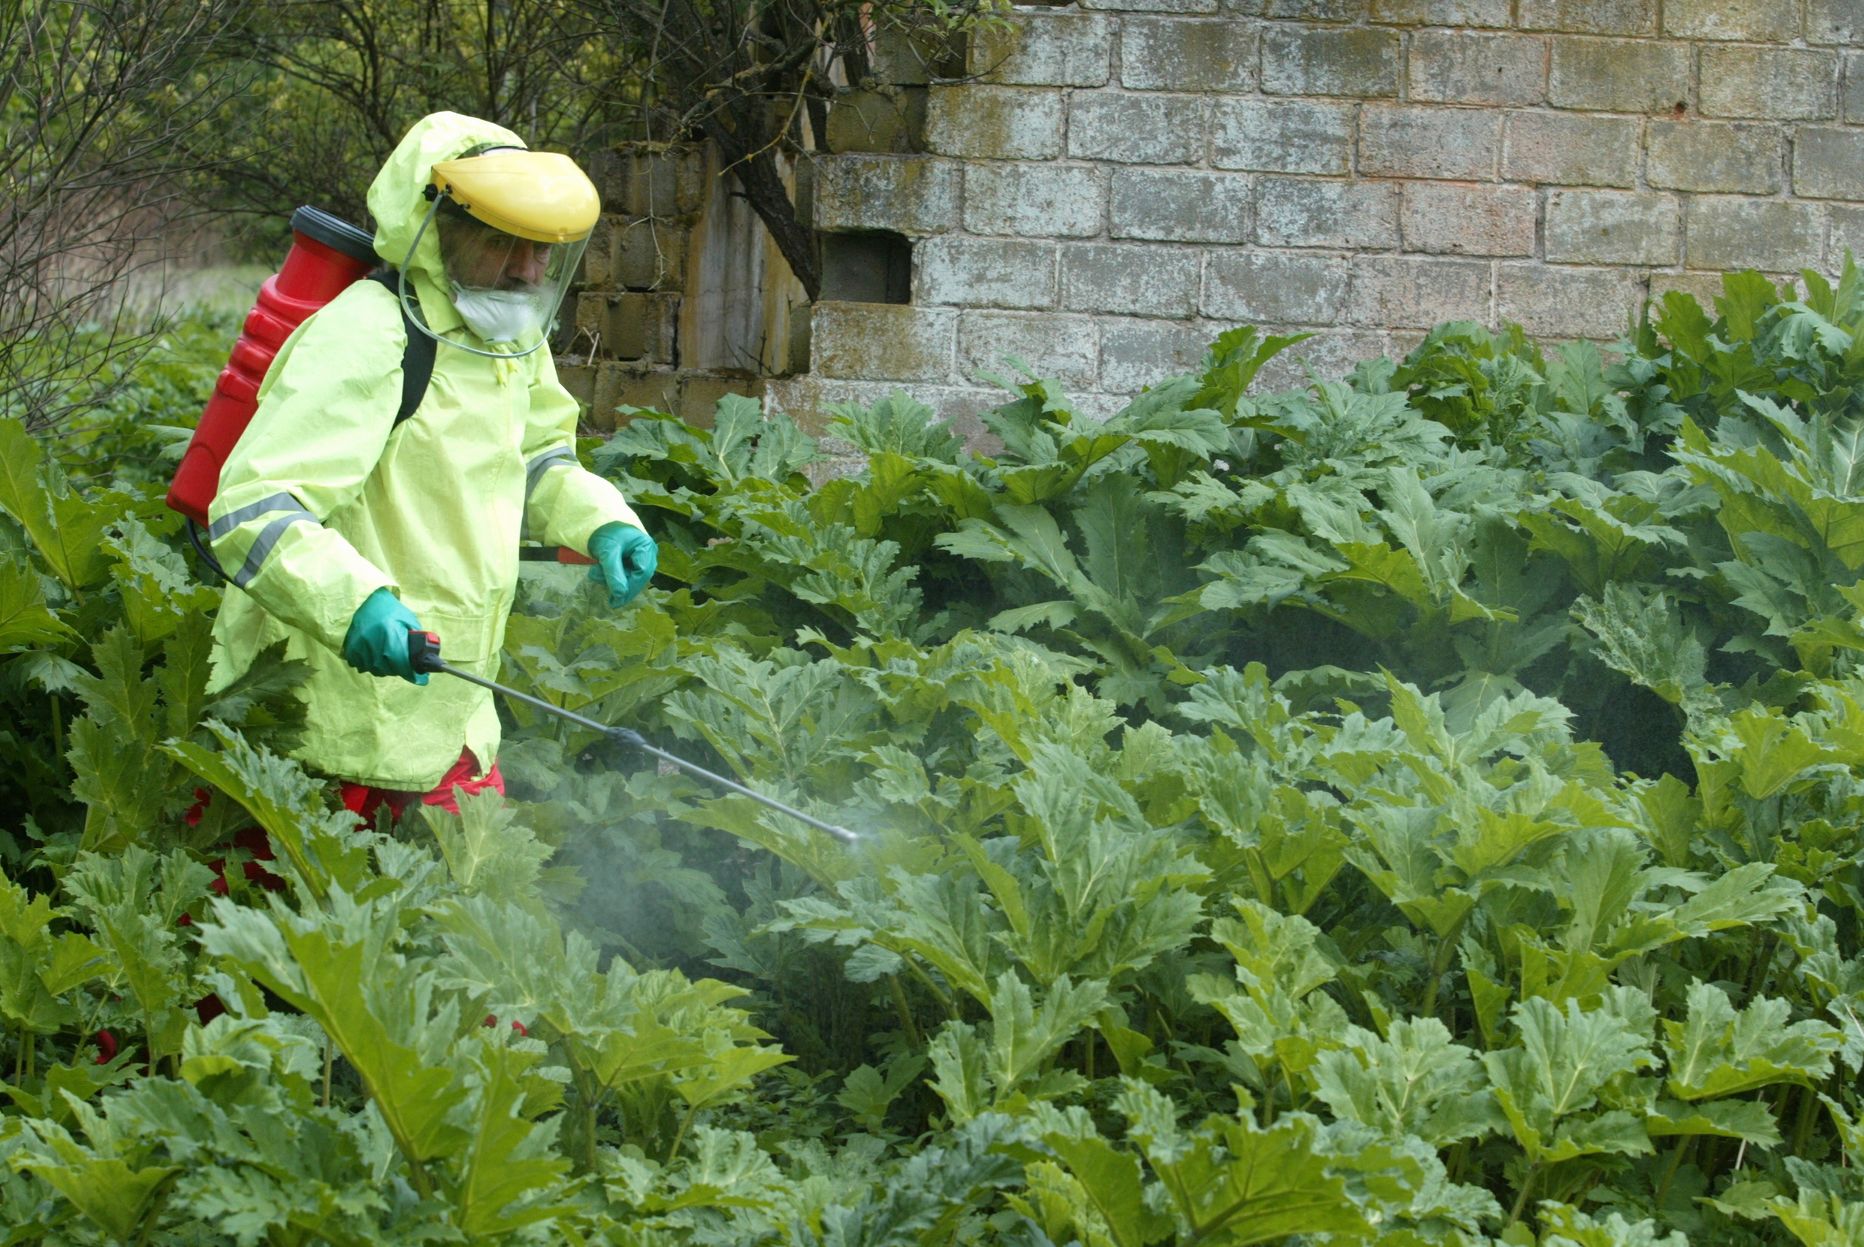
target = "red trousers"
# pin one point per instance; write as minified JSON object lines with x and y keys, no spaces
{"x":362,"y":801}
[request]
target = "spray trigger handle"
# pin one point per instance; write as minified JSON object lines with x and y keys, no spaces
{"x":424,"y":651}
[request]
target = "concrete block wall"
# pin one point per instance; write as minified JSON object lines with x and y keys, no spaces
{"x":628,"y":337}
{"x":1114,"y":182}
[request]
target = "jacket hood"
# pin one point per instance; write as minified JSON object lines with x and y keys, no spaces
{"x":397,"y":200}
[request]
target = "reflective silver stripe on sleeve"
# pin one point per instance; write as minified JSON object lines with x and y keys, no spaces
{"x":543,"y":463}
{"x":252,"y":511}
{"x":255,"y":558}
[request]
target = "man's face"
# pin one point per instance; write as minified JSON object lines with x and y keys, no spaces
{"x":483,"y":258}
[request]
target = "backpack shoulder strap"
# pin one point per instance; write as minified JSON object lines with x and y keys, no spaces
{"x":417,"y":360}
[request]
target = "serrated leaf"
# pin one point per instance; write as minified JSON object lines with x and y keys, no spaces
{"x":485,"y":848}
{"x":1414,"y":1082}
{"x":1717,"y":1051}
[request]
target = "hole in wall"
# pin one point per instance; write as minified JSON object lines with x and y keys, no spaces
{"x":872,"y":266}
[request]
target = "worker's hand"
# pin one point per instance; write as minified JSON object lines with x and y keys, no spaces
{"x":625,"y":559}
{"x":377,"y":642}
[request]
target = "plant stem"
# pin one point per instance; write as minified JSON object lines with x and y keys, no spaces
{"x":1683,"y":1145}
{"x":1527,"y":1184}
{"x":330,"y":1060}
{"x":905,"y":1012}
{"x":945,"y":1001}
{"x":1439,"y":966}
{"x":1802,"y":1125}
{"x":679,"y":1136}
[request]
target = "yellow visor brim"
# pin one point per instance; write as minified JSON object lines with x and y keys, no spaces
{"x":542,"y":196}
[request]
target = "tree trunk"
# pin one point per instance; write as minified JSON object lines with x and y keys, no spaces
{"x":770,"y":198}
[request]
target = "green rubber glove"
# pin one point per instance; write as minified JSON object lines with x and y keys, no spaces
{"x":625,"y":559}
{"x":377,"y":641}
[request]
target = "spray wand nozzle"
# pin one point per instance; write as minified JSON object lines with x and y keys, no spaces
{"x":424,"y":655}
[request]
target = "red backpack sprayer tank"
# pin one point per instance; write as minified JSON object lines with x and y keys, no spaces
{"x":327,"y":254}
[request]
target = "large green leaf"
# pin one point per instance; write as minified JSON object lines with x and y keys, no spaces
{"x":1232,"y":1182}
{"x":1549,"y":1086}
{"x":66,"y":529}
{"x":1717,"y":1051}
{"x":1417,"y":1081}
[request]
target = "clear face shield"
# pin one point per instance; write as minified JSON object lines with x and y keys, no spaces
{"x":511,"y":226}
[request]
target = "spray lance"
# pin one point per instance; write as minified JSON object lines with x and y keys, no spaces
{"x":424,"y":655}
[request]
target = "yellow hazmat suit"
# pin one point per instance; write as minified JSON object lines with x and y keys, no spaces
{"x":325,"y":500}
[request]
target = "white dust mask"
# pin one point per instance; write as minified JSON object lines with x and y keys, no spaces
{"x":500,"y":315}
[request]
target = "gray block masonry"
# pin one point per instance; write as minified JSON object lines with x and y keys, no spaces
{"x":1112,"y":183}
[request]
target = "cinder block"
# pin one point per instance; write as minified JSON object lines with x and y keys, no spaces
{"x":648,"y":254}
{"x":1758,"y":21}
{"x":1453,"y":67}
{"x":810,"y":401}
{"x":994,"y":123}
{"x":1317,"y":10}
{"x":696,"y":399}
{"x":1045,"y":49}
{"x":1329,"y":355}
{"x":1619,"y":75}
{"x":1565,"y":303}
{"x":1441,"y":218}
{"x":651,"y":180}
{"x":1357,"y":62}
{"x":1565,"y":149}
{"x":1828,"y":163}
{"x":905,"y":194}
{"x":1065,"y":348}
{"x":1180,"y":207}
{"x":1596,"y":17}
{"x":1281,"y":136}
{"x":1153,"y":6}
{"x":1136,"y":129}
{"x":986,"y":272}
{"x":1847,"y":236}
{"x":1780,"y":84}
{"x":1429,"y":142}
{"x":877,"y":121}
{"x":1042,"y":201}
{"x":1137,"y":353}
{"x":1725,"y":232}
{"x":1276,"y":287}
{"x":1614,"y":227}
{"x":1416,"y":292}
{"x":632,"y":326}
{"x":1854,"y":88}
{"x":628,"y":385}
{"x":1187,"y":54}
{"x":1730,"y":157}
{"x":916,"y":53}
{"x":883,"y":341}
{"x":1838,"y":22}
{"x":1323,"y":212}
{"x":1469,"y":14}
{"x":1705,"y":288}
{"x":1133,"y":279}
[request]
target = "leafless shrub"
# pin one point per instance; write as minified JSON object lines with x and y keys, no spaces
{"x":101,"y":99}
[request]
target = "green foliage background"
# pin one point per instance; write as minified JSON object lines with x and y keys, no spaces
{"x":1420,"y":808}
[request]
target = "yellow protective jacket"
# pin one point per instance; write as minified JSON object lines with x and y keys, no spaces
{"x":325,"y":500}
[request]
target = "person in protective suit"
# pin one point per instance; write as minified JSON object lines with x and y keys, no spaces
{"x":344,"y":530}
